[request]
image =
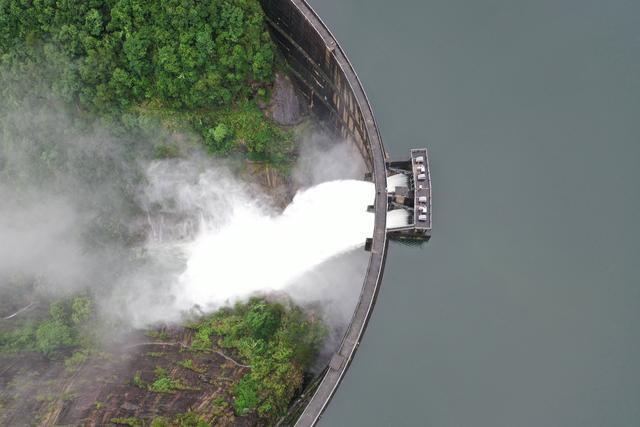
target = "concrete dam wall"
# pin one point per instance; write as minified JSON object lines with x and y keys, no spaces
{"x":329,"y":85}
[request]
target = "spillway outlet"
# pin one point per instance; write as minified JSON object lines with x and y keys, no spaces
{"x":409,"y":197}
{"x":368,"y":244}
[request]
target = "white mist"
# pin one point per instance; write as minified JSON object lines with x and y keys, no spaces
{"x":254,"y":251}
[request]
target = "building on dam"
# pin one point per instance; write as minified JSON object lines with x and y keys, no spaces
{"x":412,"y":200}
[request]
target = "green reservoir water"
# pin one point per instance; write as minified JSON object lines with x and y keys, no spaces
{"x":524,"y":308}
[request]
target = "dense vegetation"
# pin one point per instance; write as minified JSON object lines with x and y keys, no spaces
{"x":183,"y":61}
{"x":69,"y":324}
{"x":278,"y":341}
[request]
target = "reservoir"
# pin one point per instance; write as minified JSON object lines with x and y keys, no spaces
{"x":524,"y":307}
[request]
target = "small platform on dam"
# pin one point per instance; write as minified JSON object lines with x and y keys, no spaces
{"x":409,"y":197}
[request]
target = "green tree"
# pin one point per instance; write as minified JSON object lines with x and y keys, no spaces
{"x":93,"y":22}
{"x":221,"y":133}
{"x":53,"y":335}
{"x":81,"y":310}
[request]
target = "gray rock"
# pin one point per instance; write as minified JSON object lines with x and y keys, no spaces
{"x":129,"y":406}
{"x":285,"y":104}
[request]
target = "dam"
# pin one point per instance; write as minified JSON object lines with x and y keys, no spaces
{"x":329,"y":85}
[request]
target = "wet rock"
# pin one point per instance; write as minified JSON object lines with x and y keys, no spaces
{"x":285,"y":107}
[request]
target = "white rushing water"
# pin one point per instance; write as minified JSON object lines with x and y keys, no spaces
{"x":397,"y":218}
{"x":253,"y":251}
{"x":397,"y":180}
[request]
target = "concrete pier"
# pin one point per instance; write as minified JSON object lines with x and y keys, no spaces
{"x":416,"y":197}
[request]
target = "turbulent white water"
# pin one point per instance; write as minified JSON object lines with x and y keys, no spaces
{"x":397,"y":218}
{"x":253,"y":251}
{"x":397,"y":180}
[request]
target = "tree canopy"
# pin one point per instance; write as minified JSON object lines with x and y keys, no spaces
{"x":106,"y":54}
{"x":124,"y":60}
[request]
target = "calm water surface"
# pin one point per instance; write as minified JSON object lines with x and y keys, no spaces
{"x":524,"y":309}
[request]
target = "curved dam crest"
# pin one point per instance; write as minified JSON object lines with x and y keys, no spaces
{"x":329,"y":85}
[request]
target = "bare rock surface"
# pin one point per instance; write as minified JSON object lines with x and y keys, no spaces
{"x":117,"y":388}
{"x":285,"y":107}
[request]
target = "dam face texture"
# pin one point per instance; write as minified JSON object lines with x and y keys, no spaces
{"x":330,"y":87}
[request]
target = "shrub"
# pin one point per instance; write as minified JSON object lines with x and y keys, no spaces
{"x":164,"y":385}
{"x":130,"y":421}
{"x":76,"y":359}
{"x":246,"y":395}
{"x":69,"y":324}
{"x":81,"y":310}
{"x":137,"y":380}
{"x":160,"y":422}
{"x":53,"y":335}
{"x":190,"y":419}
{"x":20,"y":339}
{"x":221,"y":133}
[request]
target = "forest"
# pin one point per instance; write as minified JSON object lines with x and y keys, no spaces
{"x":201,"y":65}
{"x":275,"y":341}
